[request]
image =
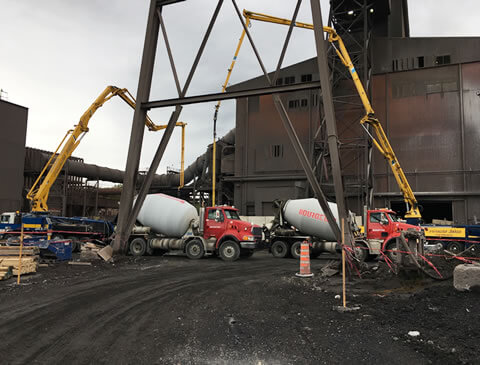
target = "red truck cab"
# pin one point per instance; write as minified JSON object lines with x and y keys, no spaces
{"x":383,"y":224}
{"x":232,"y":236}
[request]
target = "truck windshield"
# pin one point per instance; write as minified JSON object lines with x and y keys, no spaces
{"x":232,"y":214}
{"x":393,"y":217}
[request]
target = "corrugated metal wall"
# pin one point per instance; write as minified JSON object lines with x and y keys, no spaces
{"x":431,"y":117}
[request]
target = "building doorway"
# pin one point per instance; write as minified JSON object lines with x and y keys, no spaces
{"x":432,"y":209}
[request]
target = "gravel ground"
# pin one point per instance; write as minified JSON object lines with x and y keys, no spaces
{"x":171,"y":310}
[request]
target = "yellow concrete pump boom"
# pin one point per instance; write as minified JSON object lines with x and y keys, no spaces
{"x":39,"y":196}
{"x":381,"y":142}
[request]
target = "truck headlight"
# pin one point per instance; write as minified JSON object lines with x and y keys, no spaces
{"x":248,"y":238}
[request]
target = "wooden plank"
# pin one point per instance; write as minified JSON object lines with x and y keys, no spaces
{"x":13,"y":248}
{"x":13,"y":261}
{"x":80,"y":263}
{"x":13,"y":253}
{"x":26,"y":269}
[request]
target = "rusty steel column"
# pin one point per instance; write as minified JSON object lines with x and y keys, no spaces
{"x":331,"y":125}
{"x":138,"y":125}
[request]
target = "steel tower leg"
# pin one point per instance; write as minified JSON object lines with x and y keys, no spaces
{"x":138,"y":125}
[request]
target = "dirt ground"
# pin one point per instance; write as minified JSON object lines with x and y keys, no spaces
{"x":171,"y":310}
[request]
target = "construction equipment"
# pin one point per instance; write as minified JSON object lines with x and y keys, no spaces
{"x":298,"y":220}
{"x":172,"y":224}
{"x":413,"y":215}
{"x":39,"y":195}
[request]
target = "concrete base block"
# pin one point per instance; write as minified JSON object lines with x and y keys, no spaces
{"x":466,"y":277}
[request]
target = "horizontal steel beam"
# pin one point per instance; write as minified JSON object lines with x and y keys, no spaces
{"x":167,"y":2}
{"x":231,"y":95}
{"x":429,"y":194}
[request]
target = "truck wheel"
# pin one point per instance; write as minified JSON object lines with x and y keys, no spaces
{"x":194,"y":249}
{"x":391,"y":251}
{"x":455,"y":247}
{"x":76,"y":244}
{"x":279,"y":249}
{"x":295,"y":250}
{"x":229,"y":251}
{"x":361,"y":252}
{"x":138,"y":247}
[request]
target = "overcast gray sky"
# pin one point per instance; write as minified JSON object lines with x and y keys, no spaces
{"x":56,"y":56}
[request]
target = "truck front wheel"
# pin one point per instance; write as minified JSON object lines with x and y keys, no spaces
{"x":194,"y":249}
{"x":229,"y":251}
{"x":138,"y":247}
{"x":391,"y":251}
{"x":279,"y":249}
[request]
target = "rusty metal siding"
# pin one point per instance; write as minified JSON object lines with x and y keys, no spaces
{"x":13,"y":124}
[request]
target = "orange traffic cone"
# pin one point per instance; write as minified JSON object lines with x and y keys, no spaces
{"x":304,"y":261}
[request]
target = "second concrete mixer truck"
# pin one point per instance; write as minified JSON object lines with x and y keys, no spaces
{"x":171,"y":224}
{"x":298,"y":220}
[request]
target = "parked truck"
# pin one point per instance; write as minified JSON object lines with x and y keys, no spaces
{"x":298,"y":220}
{"x":171,"y":224}
{"x":43,"y":225}
{"x":454,"y":238}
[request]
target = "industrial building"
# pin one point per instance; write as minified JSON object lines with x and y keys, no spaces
{"x":425,"y":92}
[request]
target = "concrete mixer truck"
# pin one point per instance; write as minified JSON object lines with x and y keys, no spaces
{"x":298,"y":220}
{"x":171,"y":224}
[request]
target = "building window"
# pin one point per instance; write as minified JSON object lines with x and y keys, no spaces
{"x":279,"y":81}
{"x":304,"y":103}
{"x":277,"y":150}
{"x":421,"y":61}
{"x":289,"y":80}
{"x":314,"y":100}
{"x":442,"y":60}
{"x":293,"y":104}
{"x":306,"y":78}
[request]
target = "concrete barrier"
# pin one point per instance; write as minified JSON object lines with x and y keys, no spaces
{"x":466,"y":277}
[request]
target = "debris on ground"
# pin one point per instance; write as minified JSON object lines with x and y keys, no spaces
{"x":79,"y":263}
{"x":342,"y":309}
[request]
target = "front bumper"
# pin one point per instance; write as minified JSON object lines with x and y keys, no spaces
{"x":248,"y":245}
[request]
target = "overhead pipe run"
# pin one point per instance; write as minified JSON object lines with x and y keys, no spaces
{"x":95,"y":172}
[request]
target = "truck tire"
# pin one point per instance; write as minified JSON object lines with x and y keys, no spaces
{"x":390,"y":251}
{"x":295,"y":250}
{"x":76,"y":244}
{"x":361,"y":252}
{"x":455,"y":247}
{"x":229,"y":251}
{"x":138,"y":247}
{"x":194,"y":249}
{"x":279,"y":249}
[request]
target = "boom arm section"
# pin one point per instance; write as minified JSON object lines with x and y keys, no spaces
{"x":381,"y":142}
{"x":38,"y":194}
